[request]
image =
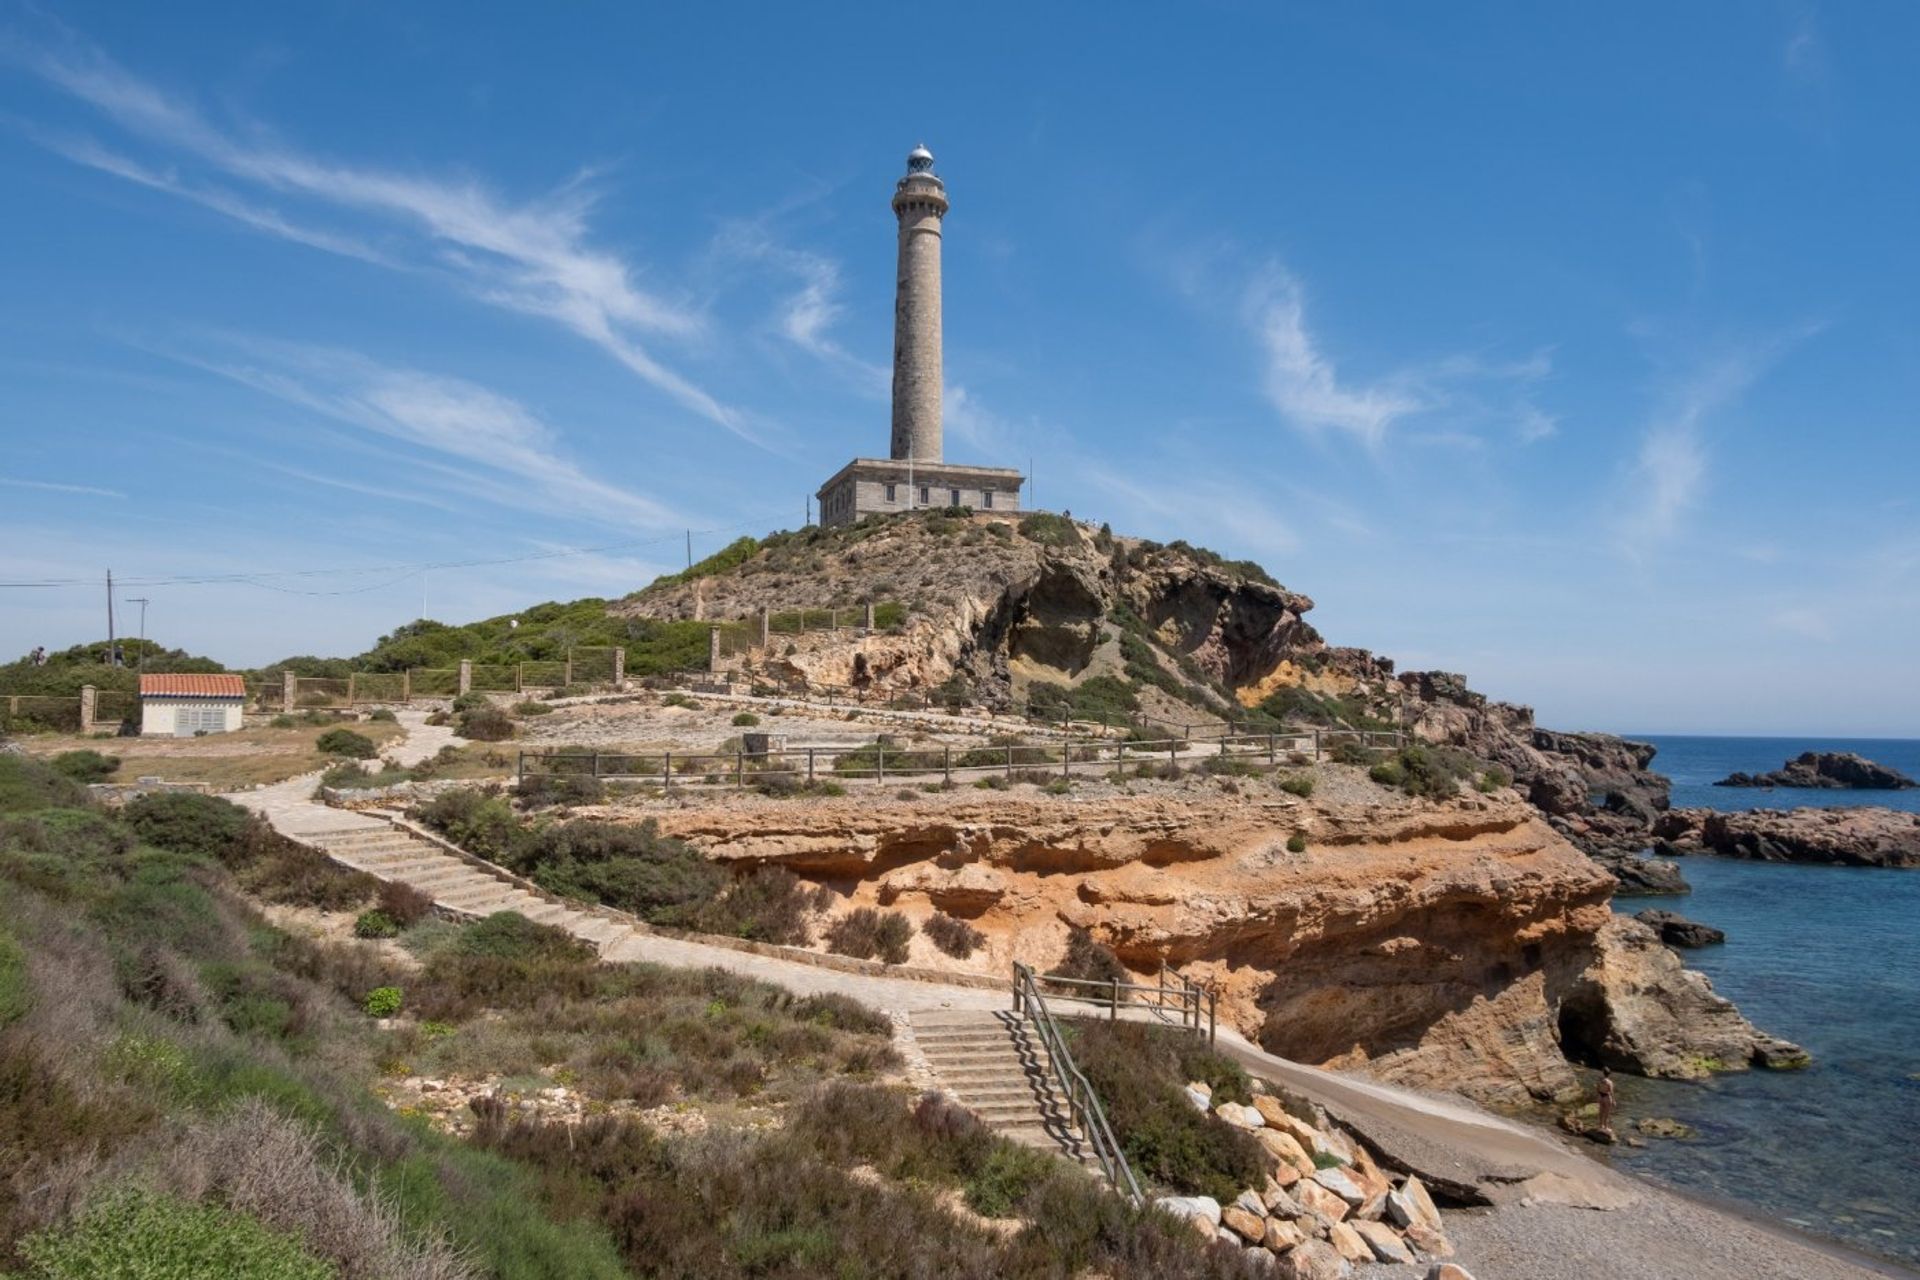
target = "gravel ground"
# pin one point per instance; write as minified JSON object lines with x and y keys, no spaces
{"x":1663,"y":1237}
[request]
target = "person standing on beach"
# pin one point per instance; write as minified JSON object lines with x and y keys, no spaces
{"x":1605,"y":1093}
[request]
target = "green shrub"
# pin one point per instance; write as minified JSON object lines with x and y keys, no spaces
{"x":283,"y":722}
{"x":14,"y":994}
{"x":1422,"y":770}
{"x":137,"y":1235}
{"x":768,"y":904}
{"x":729,"y":557}
{"x":382,"y":715}
{"x":1087,"y":961}
{"x":382,"y":1002}
{"x":532,"y":707}
{"x":538,"y":789}
{"x":186,"y":822}
{"x":472,"y":700}
{"x":375,"y":924}
{"x":403,"y":904}
{"x":1347,"y":751}
{"x":864,"y":933}
{"x":1493,"y":780}
{"x":1050,"y":530}
{"x":484,"y":724}
{"x":745,"y":720}
{"x":1297,"y":843}
{"x":678,"y":700}
{"x":1138,"y":1071}
{"x":1299,"y":784}
{"x":345,"y":742}
{"x":85,"y":765}
{"x":1006,"y":1178}
{"x":955,"y":937}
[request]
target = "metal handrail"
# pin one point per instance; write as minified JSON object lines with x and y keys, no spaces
{"x":1083,"y":1104}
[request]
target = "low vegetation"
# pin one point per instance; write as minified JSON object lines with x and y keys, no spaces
{"x":866,"y":934}
{"x":1421,"y":769}
{"x":1139,"y":1071}
{"x":187,"y":1090}
{"x":955,"y":937}
{"x":85,"y":765}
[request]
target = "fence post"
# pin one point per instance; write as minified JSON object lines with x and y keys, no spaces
{"x":1009,"y":762}
{"x":740,"y":768}
{"x":869,"y":619}
{"x":406,"y":685}
{"x":89,"y":699}
{"x":879,"y":764}
{"x":596,"y":766}
{"x":1213,"y":1009}
{"x":766,"y":627}
{"x":809,"y":766}
{"x":946,"y":764}
{"x":1066,"y":759}
{"x":519,"y":677}
{"x":666,"y":768}
{"x":619,"y":666}
{"x":289,"y":691}
{"x":1113,"y":1009}
{"x":1273,"y":751}
{"x":520,"y":767}
{"x":713,"y":649}
{"x":466,"y":675}
{"x":1316,"y":746}
{"x":352,"y":678}
{"x":567,"y":677}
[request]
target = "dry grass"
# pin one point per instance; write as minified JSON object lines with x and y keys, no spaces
{"x":224,"y":761}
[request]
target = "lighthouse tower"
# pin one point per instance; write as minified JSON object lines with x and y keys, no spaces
{"x":916,"y":474}
{"x":920,"y":203}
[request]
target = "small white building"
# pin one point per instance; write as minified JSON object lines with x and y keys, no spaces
{"x":181,"y":706}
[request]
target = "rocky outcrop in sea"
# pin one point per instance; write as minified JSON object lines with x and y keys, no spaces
{"x":1826,"y":770}
{"x":1863,"y":836}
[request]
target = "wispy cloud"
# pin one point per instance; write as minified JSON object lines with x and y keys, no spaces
{"x":1804,"y":55}
{"x":1302,"y":383}
{"x":508,"y":455}
{"x":1671,"y":464}
{"x":50,"y":486}
{"x":807,"y":316}
{"x":534,"y":257}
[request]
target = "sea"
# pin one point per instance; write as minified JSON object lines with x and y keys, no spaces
{"x":1828,"y":957}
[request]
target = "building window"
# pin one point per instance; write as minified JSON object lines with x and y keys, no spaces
{"x":924,"y":499}
{"x":986,"y":499}
{"x":954,"y":495}
{"x":890,"y":497}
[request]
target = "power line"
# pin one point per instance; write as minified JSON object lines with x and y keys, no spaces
{"x":403,"y":571}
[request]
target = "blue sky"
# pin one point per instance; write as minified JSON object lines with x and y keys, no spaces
{"x":1574,"y":349}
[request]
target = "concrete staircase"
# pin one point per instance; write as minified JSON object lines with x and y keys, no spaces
{"x":454,"y":884}
{"x":1000,"y":1071}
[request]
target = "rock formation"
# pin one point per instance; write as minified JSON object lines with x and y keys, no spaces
{"x":1678,"y":931}
{"x":1637,"y":1009}
{"x":998,"y":606}
{"x":1854,"y":836}
{"x":1434,"y":944}
{"x":1841,"y":770}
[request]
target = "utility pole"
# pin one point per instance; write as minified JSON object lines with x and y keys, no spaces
{"x":113,"y":658}
{"x":143,"y":602}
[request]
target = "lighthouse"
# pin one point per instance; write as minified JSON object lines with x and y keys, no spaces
{"x":915,"y":474}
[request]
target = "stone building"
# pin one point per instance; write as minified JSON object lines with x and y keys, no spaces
{"x":916,"y":474}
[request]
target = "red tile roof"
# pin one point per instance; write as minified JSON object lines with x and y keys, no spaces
{"x":196,"y":686}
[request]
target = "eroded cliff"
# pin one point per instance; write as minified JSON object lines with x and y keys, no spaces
{"x":1435,"y":944}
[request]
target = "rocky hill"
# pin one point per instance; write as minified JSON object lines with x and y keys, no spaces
{"x":1005,"y":610}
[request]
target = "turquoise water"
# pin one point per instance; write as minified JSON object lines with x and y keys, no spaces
{"x":1828,"y":957}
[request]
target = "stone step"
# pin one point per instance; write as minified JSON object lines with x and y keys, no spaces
{"x":414,"y":869}
{"x":396,"y":851}
{"x":473,"y":896}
